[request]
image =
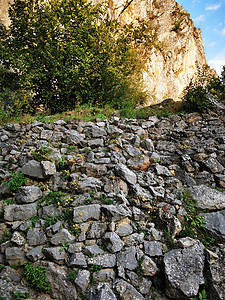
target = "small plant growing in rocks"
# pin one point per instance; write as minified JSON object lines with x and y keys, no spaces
{"x":42,"y":153}
{"x":36,"y":277}
{"x":72,"y":275}
{"x":16,"y":181}
{"x":19,"y":296}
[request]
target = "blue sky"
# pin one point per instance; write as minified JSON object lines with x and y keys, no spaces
{"x":209,"y":15}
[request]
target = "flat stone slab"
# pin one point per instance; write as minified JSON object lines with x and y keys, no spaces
{"x":207,"y":198}
{"x":215,"y":224}
{"x":86,"y":213}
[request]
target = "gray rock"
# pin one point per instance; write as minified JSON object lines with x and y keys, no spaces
{"x":215,"y":224}
{"x":93,"y":170}
{"x":106,"y":260}
{"x":89,"y":184}
{"x":125,"y":173}
{"x":82,"y":280}
{"x":95,"y":132}
{"x":116,"y":212}
{"x":60,"y":284}
{"x":207,"y":198}
{"x":127,"y":291}
{"x":127,"y":259}
{"x":134,"y":239}
{"x":162,"y":170}
{"x":56,"y":254}
{"x":153,"y":248}
{"x":105,"y":275}
{"x":86,"y":213}
{"x":35,"y":254}
{"x":125,"y":230}
{"x":95,"y":143}
{"x":33,"y":169}
{"x":20,"y":212}
{"x":104,"y":293}
{"x":14,"y":255}
{"x":213,"y":165}
{"x":147,"y":144}
{"x":77,"y":260}
{"x":28,"y":194}
{"x":36,"y":237}
{"x":73,"y":137}
{"x":92,"y":250}
{"x":62,"y":237}
{"x":184,"y":271}
{"x":51,"y":211}
{"x":143,"y":285}
{"x":112,"y":242}
{"x":216,"y":274}
{"x":149,"y":266}
{"x":186,"y":242}
{"x":97,"y":230}
{"x":49,"y":168}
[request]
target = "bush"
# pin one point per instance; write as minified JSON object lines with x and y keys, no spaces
{"x":69,"y":52}
{"x":196,"y":94}
{"x":36,"y":277}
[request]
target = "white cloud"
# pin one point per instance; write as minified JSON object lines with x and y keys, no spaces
{"x":218,"y":61}
{"x":213,"y":7}
{"x":200,"y":18}
{"x":223,"y":31}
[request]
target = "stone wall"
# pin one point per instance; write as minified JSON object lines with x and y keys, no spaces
{"x":107,"y":200}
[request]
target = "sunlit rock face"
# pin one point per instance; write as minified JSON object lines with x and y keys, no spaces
{"x":178,"y":48}
{"x":171,"y":61}
{"x":4,"y":6}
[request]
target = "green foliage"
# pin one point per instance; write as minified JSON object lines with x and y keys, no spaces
{"x":194,"y":225}
{"x":9,"y":201}
{"x":216,"y":86}
{"x":42,"y":153}
{"x":70,"y":51}
{"x":169,"y":240}
{"x":72,"y":275}
{"x":54,"y":198}
{"x":176,"y":26}
{"x":139,"y":270}
{"x":201,"y":296}
{"x":95,"y":268}
{"x":19,"y":296}
{"x":1,"y":267}
{"x":65,"y":246}
{"x":195,"y":98}
{"x":16,"y":181}
{"x":6,"y":235}
{"x":36,"y":277}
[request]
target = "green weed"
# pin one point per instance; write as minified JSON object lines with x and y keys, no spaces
{"x":36,"y":277}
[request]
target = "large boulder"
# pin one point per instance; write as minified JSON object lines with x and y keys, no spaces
{"x":184,"y":271}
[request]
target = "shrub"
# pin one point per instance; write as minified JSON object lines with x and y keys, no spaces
{"x":16,"y":181}
{"x":69,"y":51}
{"x":195,"y":98}
{"x":36,"y":277}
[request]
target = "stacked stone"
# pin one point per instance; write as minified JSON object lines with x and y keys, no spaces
{"x":124,"y":188}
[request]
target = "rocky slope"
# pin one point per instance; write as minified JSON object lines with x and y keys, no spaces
{"x":170,"y":60}
{"x":105,"y":209}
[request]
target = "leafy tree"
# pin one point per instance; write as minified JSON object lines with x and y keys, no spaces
{"x":217,"y":86}
{"x":69,"y":52}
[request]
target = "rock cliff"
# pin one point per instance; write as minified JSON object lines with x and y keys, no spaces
{"x":171,"y":60}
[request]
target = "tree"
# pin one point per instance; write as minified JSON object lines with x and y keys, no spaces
{"x":68,"y":52}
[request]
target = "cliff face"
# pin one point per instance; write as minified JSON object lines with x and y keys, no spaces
{"x":171,"y":60}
